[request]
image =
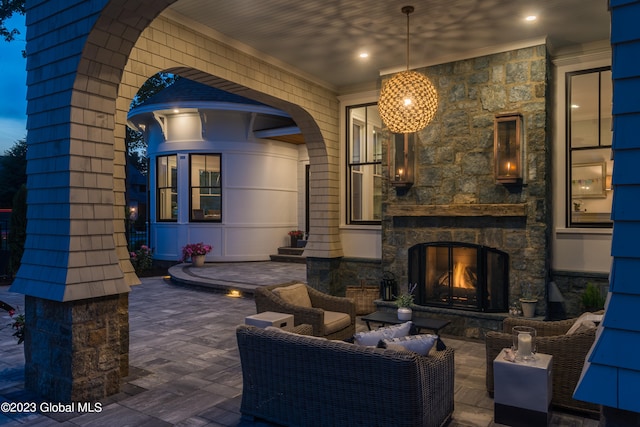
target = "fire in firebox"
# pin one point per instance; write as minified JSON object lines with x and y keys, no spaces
{"x":460,"y":275}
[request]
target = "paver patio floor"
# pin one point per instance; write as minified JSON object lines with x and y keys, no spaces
{"x":185,"y":369}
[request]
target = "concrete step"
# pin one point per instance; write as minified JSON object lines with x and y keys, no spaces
{"x":290,"y":251}
{"x":288,"y":258}
{"x":289,"y":255}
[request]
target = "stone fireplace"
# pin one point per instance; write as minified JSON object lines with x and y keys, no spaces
{"x":460,"y":275}
{"x":455,"y":196}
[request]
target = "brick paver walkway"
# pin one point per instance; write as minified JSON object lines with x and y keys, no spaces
{"x":185,"y":370}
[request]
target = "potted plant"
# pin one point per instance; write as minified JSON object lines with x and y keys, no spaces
{"x":196,"y":252}
{"x":404,"y":302}
{"x":592,"y":298}
{"x":528,"y":300}
{"x":295,"y":235}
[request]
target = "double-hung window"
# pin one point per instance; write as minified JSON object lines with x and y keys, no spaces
{"x":364,"y":164}
{"x":167,"y":187}
{"x":205,"y":188}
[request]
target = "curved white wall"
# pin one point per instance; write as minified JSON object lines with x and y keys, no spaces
{"x":260,"y":188}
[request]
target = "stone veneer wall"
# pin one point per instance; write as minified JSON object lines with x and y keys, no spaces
{"x":356,"y":271}
{"x":75,"y":350}
{"x":332,"y":276}
{"x":573,"y":284}
{"x":454,"y":169}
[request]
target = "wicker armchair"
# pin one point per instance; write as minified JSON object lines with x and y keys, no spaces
{"x":267,"y":300}
{"x":568,"y":351}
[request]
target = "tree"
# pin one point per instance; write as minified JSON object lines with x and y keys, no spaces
{"x":17,"y":230}
{"x":7,"y":9}
{"x":135,"y":143}
{"x":13,"y":172}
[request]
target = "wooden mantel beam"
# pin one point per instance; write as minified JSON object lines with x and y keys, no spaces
{"x":459,"y":210}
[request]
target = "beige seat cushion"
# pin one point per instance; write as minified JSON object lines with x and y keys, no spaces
{"x":585,"y":322}
{"x":335,"y":321}
{"x":294,"y":294}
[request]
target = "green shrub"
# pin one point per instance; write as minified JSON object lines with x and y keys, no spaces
{"x":142,"y":259}
{"x":592,"y":298}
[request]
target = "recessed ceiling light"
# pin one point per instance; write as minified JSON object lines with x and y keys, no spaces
{"x":575,"y":106}
{"x":531,"y":18}
{"x":175,"y":110}
{"x":363,"y":55}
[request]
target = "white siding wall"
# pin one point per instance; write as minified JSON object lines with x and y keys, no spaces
{"x":260,"y":189}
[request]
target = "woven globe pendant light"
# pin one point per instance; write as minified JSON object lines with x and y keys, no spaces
{"x":408,"y":101}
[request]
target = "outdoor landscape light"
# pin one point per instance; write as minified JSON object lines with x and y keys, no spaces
{"x":234,"y":293}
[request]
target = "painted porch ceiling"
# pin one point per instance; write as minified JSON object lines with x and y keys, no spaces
{"x":322,"y":39}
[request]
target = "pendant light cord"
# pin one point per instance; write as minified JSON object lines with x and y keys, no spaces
{"x":408,"y":41}
{"x":407,"y":10}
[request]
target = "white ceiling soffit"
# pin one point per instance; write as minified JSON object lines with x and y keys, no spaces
{"x":323,"y":39}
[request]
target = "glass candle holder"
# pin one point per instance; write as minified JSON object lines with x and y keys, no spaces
{"x":524,"y":342}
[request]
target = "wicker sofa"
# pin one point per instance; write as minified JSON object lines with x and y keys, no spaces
{"x":568,"y":351}
{"x":267,"y":300}
{"x":297,"y":380}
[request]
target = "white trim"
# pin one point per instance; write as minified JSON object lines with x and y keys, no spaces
{"x":597,"y":51}
{"x":476,"y":53}
{"x":358,"y":98}
{"x":204,"y":105}
{"x":583,"y":231}
{"x":287,"y":130}
{"x":373,"y":227}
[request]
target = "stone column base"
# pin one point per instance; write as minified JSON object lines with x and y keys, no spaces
{"x":322,"y":274}
{"x":77,"y":350}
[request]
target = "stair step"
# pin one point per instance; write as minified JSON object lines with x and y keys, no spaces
{"x":290,"y":251}
{"x":288,"y":258}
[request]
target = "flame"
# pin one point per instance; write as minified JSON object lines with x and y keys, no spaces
{"x":461,"y":277}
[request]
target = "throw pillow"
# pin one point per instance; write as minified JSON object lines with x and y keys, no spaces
{"x":420,"y":344}
{"x":371,"y":338}
{"x":394,"y":347}
{"x":585,"y":322}
{"x":295,"y":294}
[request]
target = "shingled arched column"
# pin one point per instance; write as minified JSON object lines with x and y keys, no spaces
{"x":75,"y":272}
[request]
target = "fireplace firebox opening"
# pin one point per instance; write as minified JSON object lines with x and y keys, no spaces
{"x":460,"y":275}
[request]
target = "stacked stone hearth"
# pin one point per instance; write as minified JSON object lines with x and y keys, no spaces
{"x":455,"y":196}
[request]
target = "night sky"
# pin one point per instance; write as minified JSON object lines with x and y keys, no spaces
{"x":13,"y":87}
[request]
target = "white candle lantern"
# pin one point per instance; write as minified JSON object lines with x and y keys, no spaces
{"x":524,"y":342}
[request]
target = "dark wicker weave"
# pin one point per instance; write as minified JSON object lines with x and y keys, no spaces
{"x":308,"y":381}
{"x":568,"y":351}
{"x":266,"y":300}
